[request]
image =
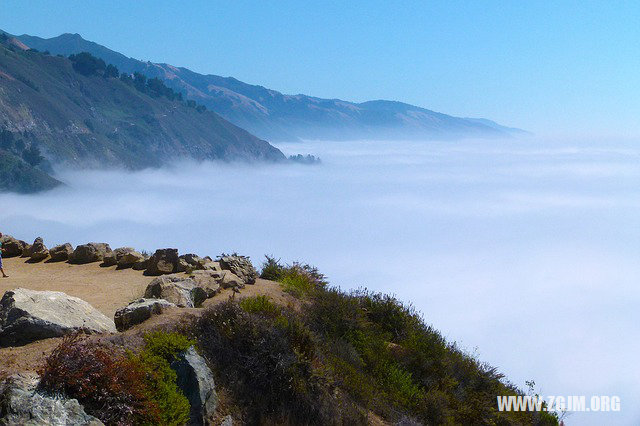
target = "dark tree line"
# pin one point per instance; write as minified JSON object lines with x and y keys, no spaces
{"x":87,"y":64}
{"x":31,"y":154}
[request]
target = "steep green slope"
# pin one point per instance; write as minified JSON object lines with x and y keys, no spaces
{"x":95,"y":121}
{"x":17,"y":175}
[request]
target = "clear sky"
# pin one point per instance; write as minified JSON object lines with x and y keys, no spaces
{"x":569,"y":68}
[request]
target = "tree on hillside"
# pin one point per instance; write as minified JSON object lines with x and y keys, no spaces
{"x":111,"y":71}
{"x":87,"y":64}
{"x":32,"y":155}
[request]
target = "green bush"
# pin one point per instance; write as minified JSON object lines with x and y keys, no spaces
{"x":267,"y":362}
{"x":260,"y":305}
{"x":121,"y":388}
{"x":272,"y":269}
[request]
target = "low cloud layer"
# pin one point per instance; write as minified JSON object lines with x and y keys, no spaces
{"x":524,"y":252}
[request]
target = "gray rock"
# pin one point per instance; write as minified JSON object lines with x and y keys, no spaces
{"x":22,"y":404}
{"x":196,"y":382}
{"x":163,"y":261}
{"x":227,"y":420}
{"x":241,"y":266}
{"x":38,"y":250}
{"x":26,"y":250}
{"x":127,"y":256}
{"x":11,"y":247}
{"x":139,"y":311}
{"x":208,"y":280}
{"x":231,"y":280}
{"x":88,"y":253}
{"x":61,"y":253}
{"x":140,"y":265}
{"x":178,"y":290}
{"x":29,"y":315}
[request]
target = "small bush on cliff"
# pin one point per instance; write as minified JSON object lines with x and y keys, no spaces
{"x":118,"y":387}
{"x":266,"y":358}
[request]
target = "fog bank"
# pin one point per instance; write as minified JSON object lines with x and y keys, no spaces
{"x":524,"y":252}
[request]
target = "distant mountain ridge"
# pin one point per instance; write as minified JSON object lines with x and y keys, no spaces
{"x":99,"y":120}
{"x":278,"y":117}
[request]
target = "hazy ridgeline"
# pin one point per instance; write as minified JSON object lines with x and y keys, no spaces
{"x":524,"y":251}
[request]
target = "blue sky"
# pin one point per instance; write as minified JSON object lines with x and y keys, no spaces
{"x":568,"y":69}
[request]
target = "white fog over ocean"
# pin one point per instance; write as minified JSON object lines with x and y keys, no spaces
{"x":525,"y":252}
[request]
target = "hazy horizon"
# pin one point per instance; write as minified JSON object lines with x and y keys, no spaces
{"x":525,"y":253}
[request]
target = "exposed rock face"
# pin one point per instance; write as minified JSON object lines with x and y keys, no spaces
{"x":178,"y":290}
{"x":196,"y":382}
{"x":227,"y":421}
{"x":29,"y":315}
{"x":91,"y":252}
{"x":38,"y":250}
{"x":139,"y":311}
{"x":163,"y":261}
{"x":11,"y":247}
{"x":61,"y":253}
{"x":208,"y":280}
{"x":240,"y":266}
{"x":22,"y":404}
{"x":26,"y":250}
{"x":230,"y":280}
{"x":127,"y":256}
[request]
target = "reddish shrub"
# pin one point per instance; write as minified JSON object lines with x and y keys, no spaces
{"x":110,"y":385}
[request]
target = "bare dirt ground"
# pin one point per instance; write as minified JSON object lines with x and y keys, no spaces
{"x":106,"y":289}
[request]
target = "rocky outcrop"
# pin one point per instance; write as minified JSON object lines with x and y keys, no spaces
{"x":29,"y":315}
{"x":61,"y":253}
{"x":208,"y":280}
{"x":26,"y":250}
{"x":88,"y":253}
{"x":11,"y":247}
{"x":128,"y":257}
{"x":196,"y":382}
{"x":139,"y":311}
{"x":163,"y":261}
{"x":38,"y":251}
{"x":241,"y":266}
{"x":22,"y":404}
{"x":183,"y":292}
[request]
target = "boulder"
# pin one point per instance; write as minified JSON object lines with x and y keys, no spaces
{"x":38,"y":250}
{"x":29,"y":315}
{"x":231,"y":280}
{"x":26,"y":250}
{"x":141,"y":265}
{"x":227,"y":420}
{"x":195,"y":379}
{"x":109,"y":259}
{"x":22,"y":404}
{"x":208,"y":280}
{"x":178,"y":290}
{"x":127,"y":256}
{"x":11,"y":247}
{"x":61,"y":253}
{"x":91,"y":252}
{"x":241,"y":266}
{"x":139,"y":311}
{"x":163,"y":261}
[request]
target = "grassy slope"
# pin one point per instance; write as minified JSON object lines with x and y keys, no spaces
{"x":93,"y":121}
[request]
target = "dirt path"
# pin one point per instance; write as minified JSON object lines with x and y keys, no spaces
{"x":105,"y":288}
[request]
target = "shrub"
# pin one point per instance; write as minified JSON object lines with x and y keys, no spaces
{"x":260,"y":305}
{"x":267,"y":362}
{"x":272,"y":269}
{"x":108,"y":384}
{"x":119,"y":387}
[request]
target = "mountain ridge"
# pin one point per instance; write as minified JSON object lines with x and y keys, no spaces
{"x":49,"y":105}
{"x":276,"y":116}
